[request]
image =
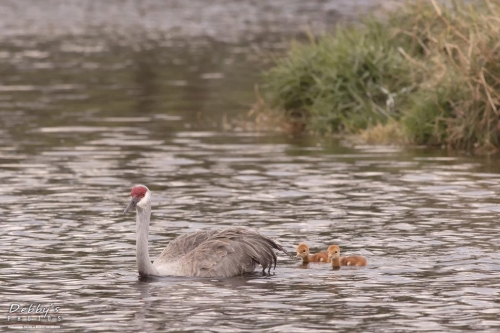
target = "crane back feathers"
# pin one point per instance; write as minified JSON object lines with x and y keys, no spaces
{"x":220,"y":252}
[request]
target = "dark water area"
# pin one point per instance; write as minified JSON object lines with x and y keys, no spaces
{"x":91,"y":105}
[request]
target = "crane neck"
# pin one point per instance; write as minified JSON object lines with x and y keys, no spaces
{"x":144,"y":265}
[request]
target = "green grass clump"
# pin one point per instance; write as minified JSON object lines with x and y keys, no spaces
{"x":434,"y":70}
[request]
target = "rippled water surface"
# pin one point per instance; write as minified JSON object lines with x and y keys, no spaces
{"x":84,"y":117}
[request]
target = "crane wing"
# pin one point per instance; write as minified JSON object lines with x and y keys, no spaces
{"x":222,"y":252}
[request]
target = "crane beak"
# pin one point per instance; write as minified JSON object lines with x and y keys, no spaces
{"x":131,"y":205}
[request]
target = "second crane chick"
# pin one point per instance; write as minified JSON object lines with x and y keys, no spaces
{"x":337,"y":261}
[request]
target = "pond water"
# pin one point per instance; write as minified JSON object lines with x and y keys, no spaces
{"x":84,"y":117}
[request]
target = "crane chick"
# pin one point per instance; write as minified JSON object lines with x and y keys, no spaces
{"x":303,"y":252}
{"x":336,"y":260}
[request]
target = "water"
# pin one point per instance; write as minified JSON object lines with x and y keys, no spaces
{"x":86,"y":116}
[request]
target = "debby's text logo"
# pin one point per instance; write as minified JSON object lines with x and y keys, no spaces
{"x":34,"y":312}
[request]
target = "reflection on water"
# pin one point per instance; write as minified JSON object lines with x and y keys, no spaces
{"x":84,"y":118}
{"x":86,"y":87}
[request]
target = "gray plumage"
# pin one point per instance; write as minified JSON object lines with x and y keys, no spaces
{"x":220,"y":252}
{"x":212,"y":253}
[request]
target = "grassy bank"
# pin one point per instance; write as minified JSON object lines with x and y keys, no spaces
{"x":425,"y":74}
